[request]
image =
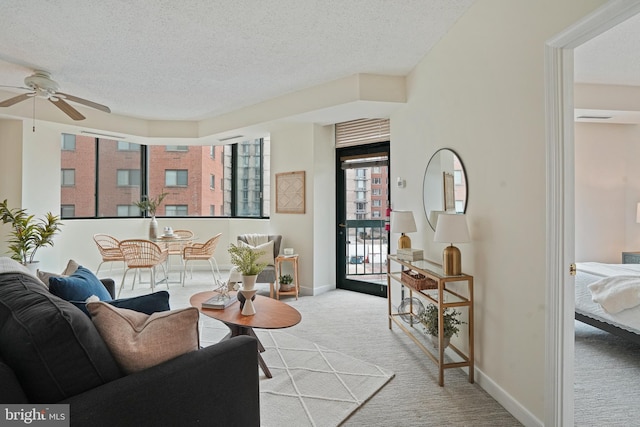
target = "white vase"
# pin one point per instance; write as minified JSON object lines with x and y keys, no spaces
{"x":434,"y":340}
{"x":32,"y":266}
{"x":153,"y":228}
{"x":249,"y":282}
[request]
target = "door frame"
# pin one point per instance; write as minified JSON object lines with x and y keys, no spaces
{"x":341,"y":281}
{"x":560,"y":246}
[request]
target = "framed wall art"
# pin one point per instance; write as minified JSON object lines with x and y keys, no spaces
{"x":290,"y":197}
{"x":449,"y":196}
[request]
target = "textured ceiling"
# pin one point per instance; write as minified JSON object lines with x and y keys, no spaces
{"x":613,"y":57}
{"x":196,"y":59}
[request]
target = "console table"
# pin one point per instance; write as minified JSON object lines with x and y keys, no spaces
{"x":443,"y":297}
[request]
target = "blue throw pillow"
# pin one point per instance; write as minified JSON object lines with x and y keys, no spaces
{"x":79,"y":286}
{"x":147,"y":304}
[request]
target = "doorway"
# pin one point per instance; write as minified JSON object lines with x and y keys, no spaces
{"x":362,"y":218}
{"x":560,"y":205}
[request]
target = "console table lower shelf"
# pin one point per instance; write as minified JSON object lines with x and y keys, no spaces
{"x":443,"y":297}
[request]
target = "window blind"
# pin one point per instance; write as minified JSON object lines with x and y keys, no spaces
{"x":362,"y":131}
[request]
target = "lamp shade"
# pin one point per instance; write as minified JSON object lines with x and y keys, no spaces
{"x":452,"y":228}
{"x":403,"y":222}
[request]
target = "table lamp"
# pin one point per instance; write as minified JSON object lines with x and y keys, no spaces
{"x":402,"y":222}
{"x":451,"y":228}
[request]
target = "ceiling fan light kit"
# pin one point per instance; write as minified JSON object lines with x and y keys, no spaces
{"x":40,"y":84}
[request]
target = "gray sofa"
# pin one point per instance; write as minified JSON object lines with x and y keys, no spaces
{"x":50,"y":352}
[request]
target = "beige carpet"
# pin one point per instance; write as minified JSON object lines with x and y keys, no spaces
{"x":312,"y":385}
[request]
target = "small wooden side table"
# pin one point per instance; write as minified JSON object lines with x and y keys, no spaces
{"x":296,"y":284}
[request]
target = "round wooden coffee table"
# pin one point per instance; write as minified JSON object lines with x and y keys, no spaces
{"x":270,"y":314}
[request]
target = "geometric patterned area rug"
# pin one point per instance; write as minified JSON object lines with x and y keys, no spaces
{"x":312,"y":385}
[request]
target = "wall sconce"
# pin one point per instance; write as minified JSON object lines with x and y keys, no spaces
{"x":452,"y":228}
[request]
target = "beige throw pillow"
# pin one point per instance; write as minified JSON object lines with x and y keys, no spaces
{"x":139,"y":341}
{"x":71,"y":268}
{"x":266,"y":248}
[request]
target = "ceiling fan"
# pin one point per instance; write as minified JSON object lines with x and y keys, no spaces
{"x":40,"y":84}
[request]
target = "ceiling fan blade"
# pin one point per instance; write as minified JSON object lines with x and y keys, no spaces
{"x":9,"y":102}
{"x":67,"y":109}
{"x":85,"y":102}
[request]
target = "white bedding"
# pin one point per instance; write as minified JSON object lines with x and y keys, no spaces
{"x":590,"y":272}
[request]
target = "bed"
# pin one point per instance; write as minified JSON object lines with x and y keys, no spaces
{"x":626,"y":323}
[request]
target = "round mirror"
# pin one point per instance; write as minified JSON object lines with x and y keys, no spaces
{"x":445,"y":188}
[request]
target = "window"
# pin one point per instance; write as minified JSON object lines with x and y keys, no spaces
{"x":68,"y":177}
{"x":375,"y":214}
{"x":176,"y":148}
{"x":176,"y":178}
{"x":111,"y":175}
{"x":128,"y":177}
{"x":176,"y":210}
{"x":67,"y":211}
{"x":376,"y":192}
{"x":376,"y":203}
{"x":127,"y":210}
{"x":68,"y":142}
{"x":128,"y":146}
{"x":376,"y":181}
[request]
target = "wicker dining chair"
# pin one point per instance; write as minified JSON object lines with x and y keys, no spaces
{"x":109,"y":250}
{"x":142,"y":254}
{"x":202,"y":252}
{"x":174,"y":247}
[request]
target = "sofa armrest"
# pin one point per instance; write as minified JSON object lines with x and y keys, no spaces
{"x":110,"y":285}
{"x":216,"y":385}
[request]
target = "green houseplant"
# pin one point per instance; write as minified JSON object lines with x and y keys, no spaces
{"x":28,"y":234}
{"x":451,"y":322}
{"x":285,"y":281}
{"x":245,"y":260}
{"x":150,"y":205}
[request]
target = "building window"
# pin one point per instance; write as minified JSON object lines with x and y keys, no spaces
{"x":376,"y":192}
{"x":376,"y":203}
{"x":375,"y":214}
{"x":176,"y":178}
{"x":67,"y":211}
{"x":112,"y":175}
{"x":128,"y":146}
{"x":127,"y":210}
{"x":176,"y":148}
{"x":212,"y":210}
{"x":68,"y":142}
{"x":68,"y":177}
{"x":176,"y":210}
{"x":128,"y":177}
{"x":376,"y":181}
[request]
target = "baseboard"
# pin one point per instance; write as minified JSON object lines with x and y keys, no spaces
{"x":506,"y":400}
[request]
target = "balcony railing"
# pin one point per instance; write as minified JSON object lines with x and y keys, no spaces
{"x":367,"y":248}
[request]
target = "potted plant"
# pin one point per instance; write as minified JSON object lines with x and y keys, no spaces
{"x":285,"y":282}
{"x":28,"y":234}
{"x":150,"y":205}
{"x":246,"y":262}
{"x":429,"y":319}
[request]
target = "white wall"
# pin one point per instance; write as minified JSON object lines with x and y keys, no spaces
{"x":480,"y":91}
{"x":607,"y":190}
{"x":308,"y":148}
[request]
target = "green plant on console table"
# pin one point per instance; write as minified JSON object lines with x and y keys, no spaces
{"x":429,"y":319}
{"x":27,"y":233}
